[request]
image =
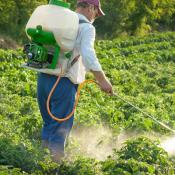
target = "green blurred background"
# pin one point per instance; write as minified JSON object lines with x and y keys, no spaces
{"x":123,"y":17}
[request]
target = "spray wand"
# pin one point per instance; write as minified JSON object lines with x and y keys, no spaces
{"x":146,"y":114}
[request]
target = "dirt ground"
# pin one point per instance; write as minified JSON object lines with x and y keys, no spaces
{"x":7,"y":43}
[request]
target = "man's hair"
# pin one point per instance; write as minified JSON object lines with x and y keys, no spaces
{"x":82,"y":5}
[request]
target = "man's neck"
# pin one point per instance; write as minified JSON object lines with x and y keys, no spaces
{"x":81,"y":12}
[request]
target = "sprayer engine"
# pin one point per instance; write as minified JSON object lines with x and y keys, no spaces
{"x":37,"y":55}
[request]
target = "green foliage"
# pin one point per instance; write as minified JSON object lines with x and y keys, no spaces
{"x":24,"y":156}
{"x":141,"y":71}
{"x":14,"y":155}
{"x":80,"y":166}
{"x":144,"y":150}
{"x":131,"y":17}
{"x":127,"y":167}
{"x":139,"y":156}
{"x":136,"y":17}
{"x":14,"y":16}
{"x":6,"y":170}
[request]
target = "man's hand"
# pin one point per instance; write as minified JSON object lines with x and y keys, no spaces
{"x":103,"y":82}
{"x":106,"y":86}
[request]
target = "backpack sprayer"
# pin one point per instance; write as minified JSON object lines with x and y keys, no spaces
{"x":46,"y":31}
{"x":48,"y":36}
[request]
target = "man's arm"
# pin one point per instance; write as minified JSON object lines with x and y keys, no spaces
{"x":91,"y":61}
{"x":103,"y":82}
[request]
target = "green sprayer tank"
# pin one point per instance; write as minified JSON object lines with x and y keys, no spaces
{"x":51,"y":26}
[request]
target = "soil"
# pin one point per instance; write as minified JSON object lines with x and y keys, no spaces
{"x":7,"y":43}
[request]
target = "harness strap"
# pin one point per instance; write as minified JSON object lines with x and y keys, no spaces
{"x":81,"y":21}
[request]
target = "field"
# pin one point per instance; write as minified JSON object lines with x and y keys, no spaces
{"x":142,"y":71}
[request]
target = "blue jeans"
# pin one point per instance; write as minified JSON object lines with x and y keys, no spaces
{"x":61,"y":104}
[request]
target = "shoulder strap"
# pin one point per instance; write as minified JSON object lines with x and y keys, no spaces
{"x":81,"y":21}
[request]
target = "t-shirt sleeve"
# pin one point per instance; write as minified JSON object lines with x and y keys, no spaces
{"x":87,"y":50}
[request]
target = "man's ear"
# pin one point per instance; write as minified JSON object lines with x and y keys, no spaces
{"x":90,"y":8}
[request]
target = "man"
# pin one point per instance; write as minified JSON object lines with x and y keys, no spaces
{"x":84,"y":59}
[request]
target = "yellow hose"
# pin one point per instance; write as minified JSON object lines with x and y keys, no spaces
{"x":59,"y":119}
